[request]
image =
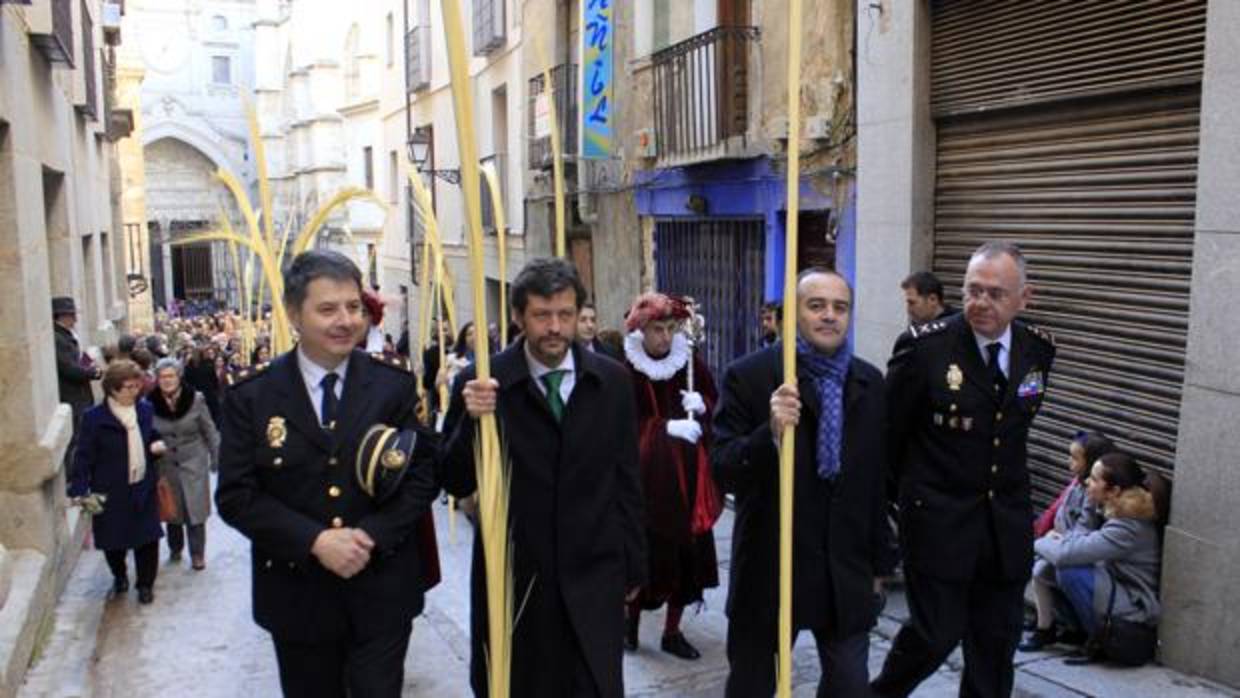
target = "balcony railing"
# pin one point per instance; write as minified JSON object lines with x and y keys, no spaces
{"x":564,"y":101}
{"x":418,"y":59}
{"x":57,"y":46}
{"x":500,"y":162}
{"x":701,"y":91}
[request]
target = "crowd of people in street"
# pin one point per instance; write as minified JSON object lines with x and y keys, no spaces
{"x":621,"y":449}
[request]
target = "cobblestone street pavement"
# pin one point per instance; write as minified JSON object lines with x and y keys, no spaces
{"x":198,"y":640}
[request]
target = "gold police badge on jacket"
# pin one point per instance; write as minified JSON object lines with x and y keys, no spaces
{"x":277,"y":432}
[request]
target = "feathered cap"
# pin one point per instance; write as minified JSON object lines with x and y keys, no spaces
{"x":655,"y":306}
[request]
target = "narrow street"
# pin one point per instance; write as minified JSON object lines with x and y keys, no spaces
{"x":198,"y":640}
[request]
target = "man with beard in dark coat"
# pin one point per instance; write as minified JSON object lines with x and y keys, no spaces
{"x":74,"y":370}
{"x":838,"y":410}
{"x":567,"y":420}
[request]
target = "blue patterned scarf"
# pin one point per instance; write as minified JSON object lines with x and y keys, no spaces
{"x":828,"y":374}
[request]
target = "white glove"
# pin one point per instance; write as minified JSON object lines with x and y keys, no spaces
{"x":684,"y":429}
{"x":692,"y":402}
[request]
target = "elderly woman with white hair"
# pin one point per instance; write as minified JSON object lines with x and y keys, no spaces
{"x":184,"y":421}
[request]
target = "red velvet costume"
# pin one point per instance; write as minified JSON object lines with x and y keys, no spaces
{"x":681,"y":564}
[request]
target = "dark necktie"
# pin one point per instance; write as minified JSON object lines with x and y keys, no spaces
{"x":552,"y":380}
{"x":996,"y":371}
{"x":330,"y":403}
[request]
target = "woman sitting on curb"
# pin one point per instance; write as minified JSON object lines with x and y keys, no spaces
{"x":1071,"y":512}
{"x":1111,"y":574}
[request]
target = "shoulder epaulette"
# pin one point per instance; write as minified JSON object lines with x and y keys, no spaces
{"x":395,"y":361}
{"x":238,"y":377}
{"x":927,"y":329}
{"x":1041,"y":333}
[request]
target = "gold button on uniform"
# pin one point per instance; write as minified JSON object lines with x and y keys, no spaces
{"x":998,"y":416}
{"x":990,"y":494}
{"x":994,"y":469}
{"x":333,"y":491}
{"x":277,"y":461}
{"x":996,"y":442}
{"x":337,"y":522}
{"x":332,"y":461}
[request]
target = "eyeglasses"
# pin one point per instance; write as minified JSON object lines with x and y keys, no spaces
{"x":975,"y":292}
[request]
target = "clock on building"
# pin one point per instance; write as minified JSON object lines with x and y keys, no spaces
{"x":165,"y":48}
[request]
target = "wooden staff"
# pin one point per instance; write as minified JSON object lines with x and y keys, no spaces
{"x":786,"y":447}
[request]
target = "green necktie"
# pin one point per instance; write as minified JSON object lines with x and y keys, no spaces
{"x":551,"y":380}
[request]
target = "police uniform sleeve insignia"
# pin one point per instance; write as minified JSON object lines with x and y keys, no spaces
{"x":924,"y":329}
{"x":399,"y":363}
{"x":383,"y":458}
{"x":1042,"y":333}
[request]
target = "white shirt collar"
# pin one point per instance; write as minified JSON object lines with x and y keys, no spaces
{"x":1005,"y":340}
{"x":538,"y":369}
{"x":313,"y":373}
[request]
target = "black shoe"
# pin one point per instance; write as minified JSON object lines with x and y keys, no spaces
{"x":174,"y":557}
{"x":120,"y":585}
{"x":630,"y":633}
{"x":145,"y":595}
{"x":1076,"y":638}
{"x":676,"y":644}
{"x":1039,"y":639}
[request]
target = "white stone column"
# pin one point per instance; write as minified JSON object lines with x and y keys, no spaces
{"x":1201,"y":567}
{"x":895,"y":165}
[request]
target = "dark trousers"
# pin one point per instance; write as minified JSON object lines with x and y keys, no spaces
{"x":751,"y":663}
{"x":373,"y":668}
{"x":197,"y":538}
{"x":145,"y":561}
{"x":985,"y":614}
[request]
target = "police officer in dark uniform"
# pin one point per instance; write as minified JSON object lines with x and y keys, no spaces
{"x":336,"y":562}
{"x":962,"y":394}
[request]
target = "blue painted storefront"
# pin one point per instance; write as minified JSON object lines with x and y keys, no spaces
{"x":744,"y":188}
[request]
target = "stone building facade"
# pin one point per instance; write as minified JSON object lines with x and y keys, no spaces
{"x":60,"y":222}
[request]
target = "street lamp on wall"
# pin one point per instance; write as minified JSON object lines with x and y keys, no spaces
{"x":420,"y":148}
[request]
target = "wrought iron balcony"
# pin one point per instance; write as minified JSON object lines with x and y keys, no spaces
{"x":418,"y":59}
{"x":563,"y":99}
{"x":701,"y":92}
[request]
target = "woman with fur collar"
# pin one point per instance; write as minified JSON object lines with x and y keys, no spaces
{"x":1123,"y":556}
{"x":184,"y":420}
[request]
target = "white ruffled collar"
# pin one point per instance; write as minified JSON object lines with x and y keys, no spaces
{"x":657,"y":369}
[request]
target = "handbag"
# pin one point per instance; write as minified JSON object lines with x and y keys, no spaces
{"x":168,"y":509}
{"x":1124,"y":641}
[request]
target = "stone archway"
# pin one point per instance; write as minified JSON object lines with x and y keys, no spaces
{"x":183,"y":197}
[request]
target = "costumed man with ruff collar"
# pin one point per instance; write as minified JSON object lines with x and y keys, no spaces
{"x":682,"y":502}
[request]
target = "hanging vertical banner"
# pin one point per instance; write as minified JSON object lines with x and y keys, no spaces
{"x":596,"y":80}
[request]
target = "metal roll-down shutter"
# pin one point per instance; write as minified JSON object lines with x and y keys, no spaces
{"x":1072,"y":130}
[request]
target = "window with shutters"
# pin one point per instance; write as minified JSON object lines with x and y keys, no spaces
{"x":489,"y":27}
{"x":368,"y":166}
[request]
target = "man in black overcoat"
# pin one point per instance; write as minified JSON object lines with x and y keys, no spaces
{"x":74,"y":371}
{"x":838,"y":409}
{"x":962,"y":394}
{"x":336,"y":573}
{"x":567,"y":420}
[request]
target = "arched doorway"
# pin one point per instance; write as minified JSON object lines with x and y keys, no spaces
{"x":183,"y":198}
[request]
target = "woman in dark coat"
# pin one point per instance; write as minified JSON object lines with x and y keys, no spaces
{"x":115,"y":458}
